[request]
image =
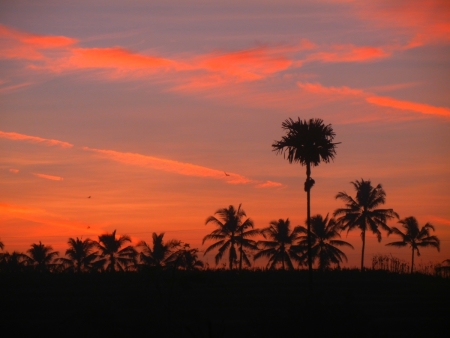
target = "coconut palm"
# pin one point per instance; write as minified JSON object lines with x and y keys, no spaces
{"x":414,"y":237}
{"x":279,"y":246}
{"x":80,"y":255}
{"x":361,"y":213}
{"x":157,"y":255}
{"x":324,"y":234}
{"x":308,"y":143}
{"x":185,"y":258}
{"x":231,"y":233}
{"x":116,"y":256}
{"x":14,"y":262}
{"x":42,"y":257}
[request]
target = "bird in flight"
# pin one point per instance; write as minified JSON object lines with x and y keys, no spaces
{"x":89,"y":196}
{"x":226,"y":174}
{"x":88,"y":227}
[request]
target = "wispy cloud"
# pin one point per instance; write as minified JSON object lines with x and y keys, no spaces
{"x":349,"y":53}
{"x":342,"y":92}
{"x":34,"y":139}
{"x":48,"y":177}
{"x":407,"y":105}
{"x":14,"y":171}
{"x":172,"y":166}
{"x":269,"y":184}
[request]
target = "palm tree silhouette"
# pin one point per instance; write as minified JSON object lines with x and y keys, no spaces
{"x":231,"y":233}
{"x":324,"y":232}
{"x":361,"y":213}
{"x":14,"y":262}
{"x":414,"y":237}
{"x":309,"y":143}
{"x":115,"y":256}
{"x":279,"y":246}
{"x":160,"y":252}
{"x":80,"y":255}
{"x":185,"y":258}
{"x":2,"y":246}
{"x":42,"y":257}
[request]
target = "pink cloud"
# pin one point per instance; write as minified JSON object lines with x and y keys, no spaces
{"x":14,"y":171}
{"x":22,"y":45}
{"x":407,"y":105}
{"x":317,"y":88}
{"x":349,"y":53}
{"x":34,"y":139}
{"x":172,"y":166}
{"x":269,"y":184}
{"x":49,"y":177}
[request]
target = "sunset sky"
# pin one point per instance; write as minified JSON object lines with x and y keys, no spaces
{"x":144,"y":106}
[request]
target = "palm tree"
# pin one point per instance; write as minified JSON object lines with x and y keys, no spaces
{"x":413,"y":237}
{"x":308,"y":143}
{"x":324,"y":243}
{"x":361,"y":213}
{"x":185,"y":258}
{"x":279,"y":246}
{"x":115,"y":256}
{"x":80,"y":254}
{"x":42,"y":257}
{"x":231,"y":233}
{"x":160,"y":251}
{"x":14,"y":262}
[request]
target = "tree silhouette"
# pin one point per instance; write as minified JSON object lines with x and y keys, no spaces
{"x":231,"y":233}
{"x":308,"y":143}
{"x":361,"y":213}
{"x":185,"y":258}
{"x":14,"y":262}
{"x":2,"y":246}
{"x":42,"y":257}
{"x":80,"y":255}
{"x":116,"y":257}
{"x":414,"y":237}
{"x":323,"y":242}
{"x":160,"y":252}
{"x":279,"y":246}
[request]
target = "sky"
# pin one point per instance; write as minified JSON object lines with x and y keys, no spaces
{"x":164,"y":112}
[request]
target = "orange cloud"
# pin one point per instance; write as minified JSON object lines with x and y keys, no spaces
{"x":269,"y":184}
{"x":49,"y":177}
{"x":114,"y":58}
{"x":407,"y":105}
{"x":349,"y":53}
{"x":246,"y":65}
{"x":182,"y":168}
{"x":14,"y":171}
{"x":426,"y":21}
{"x":317,"y":88}
{"x":34,"y":139}
{"x":21,"y":45}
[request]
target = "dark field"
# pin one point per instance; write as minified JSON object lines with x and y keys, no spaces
{"x":226,"y":304}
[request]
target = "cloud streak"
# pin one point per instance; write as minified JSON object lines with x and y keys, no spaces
{"x":48,"y":177}
{"x":34,"y":139}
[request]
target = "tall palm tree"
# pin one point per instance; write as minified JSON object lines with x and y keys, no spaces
{"x":160,"y":252}
{"x":42,"y":257}
{"x":308,"y":143}
{"x":324,"y":244}
{"x":414,"y":237}
{"x":115,"y":256}
{"x":80,"y":255}
{"x":231,"y":233}
{"x":279,"y":247}
{"x":361,"y":213}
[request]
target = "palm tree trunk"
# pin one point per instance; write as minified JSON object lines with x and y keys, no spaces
{"x":412,"y":261}
{"x":363,"y":236}
{"x":308,"y":220}
{"x":240,"y":258}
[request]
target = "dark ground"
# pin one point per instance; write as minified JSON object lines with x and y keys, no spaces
{"x":226,"y":304}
